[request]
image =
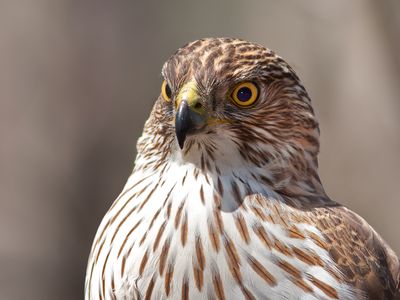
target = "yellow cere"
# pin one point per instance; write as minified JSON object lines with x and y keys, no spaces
{"x":188,"y":93}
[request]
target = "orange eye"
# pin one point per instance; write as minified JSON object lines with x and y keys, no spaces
{"x":244,"y":94}
{"x":166,"y":91}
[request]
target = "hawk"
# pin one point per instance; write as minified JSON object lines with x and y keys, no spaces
{"x":225,"y":201}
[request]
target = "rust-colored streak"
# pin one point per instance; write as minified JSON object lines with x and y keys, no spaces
{"x":127,"y":237}
{"x":159,"y":235}
{"x":334,"y":274}
{"x":231,"y":251}
{"x":143,"y":239}
{"x":169,"y":210}
{"x":184,"y":178}
{"x":261,"y":201}
{"x":112,"y":290}
{"x":102,"y":287}
{"x":185,"y":289}
{"x":327,"y":289}
{"x":184,"y":230}
{"x":99,"y":251}
{"x":295,"y":233}
{"x":163,"y":256}
{"x":200,"y":253}
{"x":154,"y":218}
{"x":283,"y":221}
{"x":143,"y":263}
{"x":218,"y":287}
{"x":103,"y":271}
{"x":122,"y":208}
{"x":262,"y":271}
{"x":258,"y":212}
{"x":207,"y":180}
{"x":247,"y":294}
{"x":282,"y":248}
{"x":242,"y":228}
{"x":214,"y":238}
{"x":289,"y":268}
{"x":309,"y":259}
{"x":276,"y":209}
{"x":120,"y":224}
{"x":271,"y":219}
{"x":147,"y":198}
{"x":168,"y":197}
{"x":202,"y":194}
{"x":112,"y":283}
{"x":198,"y":277}
{"x":318,"y":240}
{"x":233,"y":260}
{"x":263,"y":236}
{"x":236,"y":273}
{"x":303,"y":285}
{"x":168,"y":279}
{"x":123,"y":266}
{"x":178,"y":215}
{"x":196,"y":173}
{"x":149,"y":290}
{"x":218,"y":220}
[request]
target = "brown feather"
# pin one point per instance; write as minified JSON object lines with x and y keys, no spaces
{"x":364,"y":258}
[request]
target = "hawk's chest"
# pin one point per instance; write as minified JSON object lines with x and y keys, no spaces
{"x":184,"y":233}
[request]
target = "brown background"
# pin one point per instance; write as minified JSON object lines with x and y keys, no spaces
{"x":77,"y":81}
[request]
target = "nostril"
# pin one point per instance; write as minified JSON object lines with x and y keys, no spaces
{"x":198,"y":105}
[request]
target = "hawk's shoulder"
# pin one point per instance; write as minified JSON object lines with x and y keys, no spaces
{"x":363,"y":257}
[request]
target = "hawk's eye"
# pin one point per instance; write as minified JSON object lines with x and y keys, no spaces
{"x":244,"y":94}
{"x":166,"y":91}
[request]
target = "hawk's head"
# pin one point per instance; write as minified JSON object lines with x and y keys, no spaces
{"x":228,"y":99}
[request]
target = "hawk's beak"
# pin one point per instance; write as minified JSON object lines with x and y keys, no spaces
{"x":191,"y":114}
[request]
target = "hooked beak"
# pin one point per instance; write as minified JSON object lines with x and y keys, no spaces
{"x":191,"y":114}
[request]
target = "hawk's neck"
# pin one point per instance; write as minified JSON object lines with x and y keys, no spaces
{"x":223,"y":169}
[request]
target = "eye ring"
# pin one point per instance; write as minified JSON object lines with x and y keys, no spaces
{"x":166,"y":91}
{"x":244,"y":94}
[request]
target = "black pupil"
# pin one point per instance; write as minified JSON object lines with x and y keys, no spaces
{"x":244,"y":94}
{"x":168,"y":91}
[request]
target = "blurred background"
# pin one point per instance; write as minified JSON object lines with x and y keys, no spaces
{"x":77,"y":82}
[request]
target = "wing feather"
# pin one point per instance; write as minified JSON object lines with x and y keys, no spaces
{"x":365,"y":259}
